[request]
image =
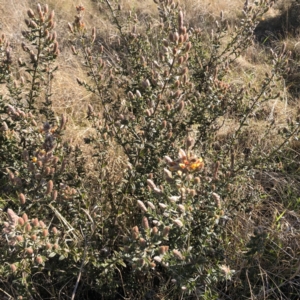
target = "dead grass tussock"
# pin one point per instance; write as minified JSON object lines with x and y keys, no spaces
{"x":276,"y":261}
{"x":213,"y":8}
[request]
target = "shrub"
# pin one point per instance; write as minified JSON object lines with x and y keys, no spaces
{"x":161,"y":98}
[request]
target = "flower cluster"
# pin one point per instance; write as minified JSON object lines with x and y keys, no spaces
{"x":186,"y":162}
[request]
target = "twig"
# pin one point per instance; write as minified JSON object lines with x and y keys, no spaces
{"x":8,"y":295}
{"x":81,"y":267}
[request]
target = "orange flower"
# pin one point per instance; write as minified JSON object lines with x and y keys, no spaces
{"x":196,"y":164}
{"x":186,"y":162}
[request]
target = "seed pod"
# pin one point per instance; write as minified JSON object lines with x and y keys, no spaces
{"x":32,"y":24}
{"x":169,"y":134}
{"x":134,"y":232}
{"x":33,"y":57}
{"x":168,"y":175}
{"x":151,"y":184}
{"x":182,"y":30}
{"x":29,"y":250}
{"x":25,"y":217}
{"x":21,"y":221}
{"x":175,"y":37}
{"x":197,"y":180}
{"x":130,"y":95}
{"x":54,"y":230}
{"x":42,"y":224}
{"x":28,"y":227}
{"x":180,"y":61}
{"x":177,"y":254}
{"x":55,"y":47}
{"x":145,"y":223}
{"x":180,"y":19}
{"x":138,"y":94}
{"x":168,"y":160}
{"x":217,"y":199}
{"x":178,"y":223}
{"x":181,"y":208}
{"x":13,"y":268}
{"x":158,"y":191}
{"x":166,"y":231}
{"x":142,"y":243}
{"x":48,"y":246}
{"x":54,"y":195}
{"x":185,"y":37}
{"x":163,"y":249}
{"x":39,"y":260}
{"x":19,"y":238}
{"x":38,"y":8}
{"x":45,"y":232}
{"x":192,"y":192}
{"x":180,"y":40}
{"x":146,"y":84}
{"x":151,"y":205}
{"x":142,"y":206}
{"x":49,"y":187}
{"x":30,"y":13}
{"x":188,"y":47}
{"x":47,"y":171}
{"x":162,"y":205}
{"x":51,"y":16}
{"x":50,"y":24}
{"x":181,"y":106}
{"x":22,"y":198}
{"x":35,"y":222}
{"x":154,"y":231}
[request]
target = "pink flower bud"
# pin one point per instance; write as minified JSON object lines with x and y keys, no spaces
{"x":22,"y":198}
{"x":49,"y":187}
{"x":142,"y":206}
{"x":178,"y":223}
{"x":21,"y":222}
{"x":39,"y":260}
{"x":145,"y":223}
{"x":13,"y":268}
{"x":177,"y":254}
{"x":29,"y":250}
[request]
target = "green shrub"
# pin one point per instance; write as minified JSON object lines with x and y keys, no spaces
{"x":160,"y":88}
